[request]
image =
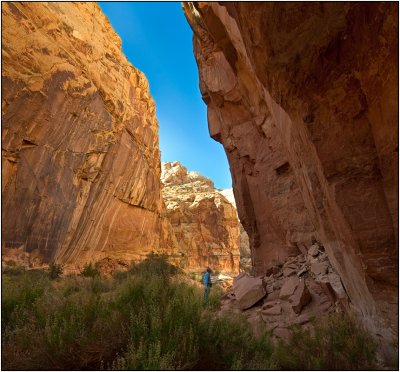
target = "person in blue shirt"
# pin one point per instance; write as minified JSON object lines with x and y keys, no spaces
{"x":207,"y":284}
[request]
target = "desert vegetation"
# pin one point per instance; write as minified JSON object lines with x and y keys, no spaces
{"x":150,"y":318}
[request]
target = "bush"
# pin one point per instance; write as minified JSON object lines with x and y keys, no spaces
{"x":19,"y":295}
{"x":229,"y":343}
{"x":338,"y":342}
{"x":13,"y":270}
{"x":120,"y":276}
{"x":156,"y":266}
{"x":214,"y":298}
{"x":55,"y":270}
{"x":90,"y":271}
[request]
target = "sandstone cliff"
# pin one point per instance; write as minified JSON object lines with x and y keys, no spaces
{"x":204,"y":222}
{"x":81,"y":163}
{"x":303,"y":97}
{"x":244,"y":246}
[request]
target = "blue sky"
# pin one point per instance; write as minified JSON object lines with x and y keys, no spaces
{"x":157,"y":39}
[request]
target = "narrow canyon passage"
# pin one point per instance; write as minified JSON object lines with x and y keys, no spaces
{"x":303,"y":99}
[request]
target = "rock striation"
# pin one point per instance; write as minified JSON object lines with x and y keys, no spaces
{"x":80,"y":156}
{"x":304,"y":99}
{"x":204,"y":221}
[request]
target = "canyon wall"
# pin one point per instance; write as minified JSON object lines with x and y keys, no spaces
{"x":244,"y":246}
{"x":80,"y":156}
{"x":204,"y":222}
{"x":304,"y":99}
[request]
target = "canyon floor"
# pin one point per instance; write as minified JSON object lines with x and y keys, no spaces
{"x":153,"y":317}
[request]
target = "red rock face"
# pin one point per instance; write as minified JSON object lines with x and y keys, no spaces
{"x":81,"y":163}
{"x":304,"y":99}
{"x":204,"y":222}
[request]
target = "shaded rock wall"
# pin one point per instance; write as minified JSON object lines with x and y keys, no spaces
{"x":81,"y":163}
{"x":304,"y":99}
{"x":204,"y":222}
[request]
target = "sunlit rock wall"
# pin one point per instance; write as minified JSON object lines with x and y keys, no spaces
{"x":244,"y":246}
{"x":304,"y":99}
{"x":204,"y":222}
{"x":81,"y":162}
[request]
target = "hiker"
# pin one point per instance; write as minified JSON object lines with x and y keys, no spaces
{"x":207,"y":284}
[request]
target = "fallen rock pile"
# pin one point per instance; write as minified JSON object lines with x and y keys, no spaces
{"x":293,"y":292}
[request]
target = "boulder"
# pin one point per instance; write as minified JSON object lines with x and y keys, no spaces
{"x":248,"y":291}
{"x":319,"y":268}
{"x":268,"y":304}
{"x":273,"y":296}
{"x":304,"y":318}
{"x":288,"y":271}
{"x":336,"y":284}
{"x":268,"y":279}
{"x":313,"y":251}
{"x":300,"y":298}
{"x":228,"y":295}
{"x":302,"y":271}
{"x":237,"y":278}
{"x":329,"y":291}
{"x":289,"y":287}
{"x":269,"y":288}
{"x":275,"y":310}
{"x":324,"y":307}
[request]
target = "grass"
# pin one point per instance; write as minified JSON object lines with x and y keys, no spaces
{"x":144,"y":320}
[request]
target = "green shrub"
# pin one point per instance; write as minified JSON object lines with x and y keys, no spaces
{"x":214,"y":297}
{"x":120,"y":276}
{"x":90,"y":271}
{"x":229,"y":343}
{"x":155,"y":266}
{"x":13,"y":270}
{"x":338,"y":342}
{"x":19,"y":295}
{"x":55,"y":270}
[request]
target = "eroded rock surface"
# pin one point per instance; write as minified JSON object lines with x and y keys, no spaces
{"x":204,"y":222}
{"x":80,"y":156}
{"x":304,"y":99}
